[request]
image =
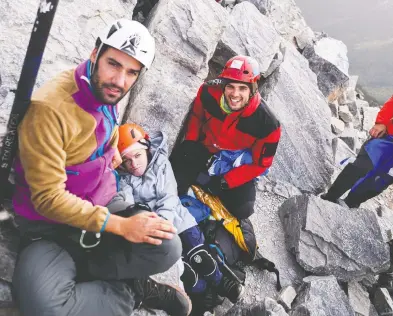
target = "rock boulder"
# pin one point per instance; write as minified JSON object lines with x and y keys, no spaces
{"x":321,"y":296}
{"x":186,"y":34}
{"x":328,"y":59}
{"x":304,"y":155}
{"x":328,"y":239}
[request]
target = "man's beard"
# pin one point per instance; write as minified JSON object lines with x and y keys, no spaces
{"x":98,"y":90}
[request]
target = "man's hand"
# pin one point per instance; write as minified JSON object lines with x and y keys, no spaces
{"x":144,"y":227}
{"x":116,"y":160}
{"x":378,"y":130}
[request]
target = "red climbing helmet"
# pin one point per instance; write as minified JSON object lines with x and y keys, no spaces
{"x":241,"y":68}
{"x":131,"y":137}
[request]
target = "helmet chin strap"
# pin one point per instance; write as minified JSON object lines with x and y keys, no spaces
{"x":93,"y":65}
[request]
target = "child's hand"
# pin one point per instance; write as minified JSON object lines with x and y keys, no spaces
{"x":116,"y":160}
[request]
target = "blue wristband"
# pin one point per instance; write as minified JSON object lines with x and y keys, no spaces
{"x":105,"y":222}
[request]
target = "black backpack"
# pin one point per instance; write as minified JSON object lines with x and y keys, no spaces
{"x":225,"y":247}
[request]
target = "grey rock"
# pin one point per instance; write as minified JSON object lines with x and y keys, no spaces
{"x":334,"y":108}
{"x":5,"y":110}
{"x":328,"y":60}
{"x":359,"y":300}
{"x":72,"y":35}
{"x":228,"y":4}
{"x":285,"y":15}
{"x":342,"y":97}
{"x":268,"y":307}
{"x":142,"y":9}
{"x":246,"y":310}
{"x":72,"y":38}
{"x":383,"y":302}
{"x":3,"y":94}
{"x":344,"y":114}
{"x":349,"y":136}
{"x":353,"y":108}
{"x":276,"y":62}
{"x":272,"y":308}
{"x":304,"y":38}
{"x":369,"y":116}
{"x":286,"y":297}
{"x":362,"y":136}
{"x":351,"y":95}
{"x":369,"y":282}
{"x":359,"y":94}
{"x":262,"y":5}
{"x":280,"y":188}
{"x":304,"y":155}
{"x":186,"y":34}
{"x":271,"y":240}
{"x":362,"y":104}
{"x":385,"y":219}
{"x":329,"y":239}
{"x":338,"y":126}
{"x":263,"y":45}
{"x":341,"y":151}
{"x":321,"y":296}
{"x":333,"y":51}
{"x":351,"y":89}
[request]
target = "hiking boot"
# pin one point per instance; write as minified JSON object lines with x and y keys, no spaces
{"x":340,"y":202}
{"x":169,"y":298}
{"x":327,"y":197}
{"x":205,"y":302}
{"x":230,"y":289}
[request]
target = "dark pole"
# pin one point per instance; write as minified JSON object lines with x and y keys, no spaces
{"x":31,"y":64}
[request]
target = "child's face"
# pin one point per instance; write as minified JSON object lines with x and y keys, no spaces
{"x":136,"y":162}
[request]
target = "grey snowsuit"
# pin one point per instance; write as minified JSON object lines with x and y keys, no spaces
{"x":156,"y":188}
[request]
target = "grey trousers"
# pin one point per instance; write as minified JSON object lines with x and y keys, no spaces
{"x":44,"y":278}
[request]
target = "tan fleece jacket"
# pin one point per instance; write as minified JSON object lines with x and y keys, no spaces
{"x":54,"y":134}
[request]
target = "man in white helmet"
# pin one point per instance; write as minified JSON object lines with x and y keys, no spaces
{"x":76,"y":257}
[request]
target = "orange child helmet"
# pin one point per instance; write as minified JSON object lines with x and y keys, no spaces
{"x":131,"y":137}
{"x":241,"y":68}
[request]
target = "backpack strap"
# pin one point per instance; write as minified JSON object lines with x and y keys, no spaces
{"x":265,"y":264}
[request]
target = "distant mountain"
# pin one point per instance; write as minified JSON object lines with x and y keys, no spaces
{"x":367,"y":30}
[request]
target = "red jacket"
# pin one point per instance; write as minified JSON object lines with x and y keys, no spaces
{"x":253,"y":127}
{"x":385,"y":116}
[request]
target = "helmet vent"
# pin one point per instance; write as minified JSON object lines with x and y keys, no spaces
{"x":246,"y":72}
{"x":132,"y":133}
{"x":112,"y":30}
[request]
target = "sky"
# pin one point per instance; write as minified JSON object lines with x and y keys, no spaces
{"x":366,"y":27}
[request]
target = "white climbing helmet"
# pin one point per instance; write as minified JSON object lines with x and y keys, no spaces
{"x":130,"y":37}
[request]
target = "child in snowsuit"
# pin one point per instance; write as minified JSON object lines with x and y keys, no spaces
{"x":146,"y":177}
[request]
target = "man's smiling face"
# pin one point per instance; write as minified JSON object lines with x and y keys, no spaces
{"x":237,"y":95}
